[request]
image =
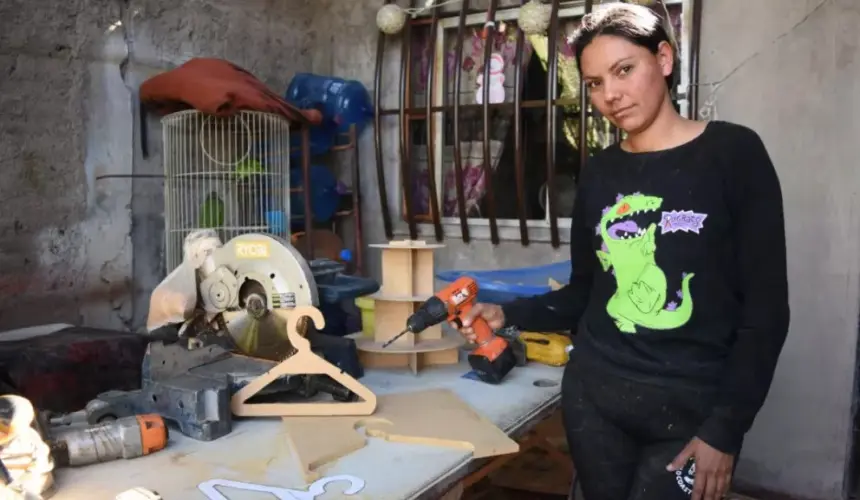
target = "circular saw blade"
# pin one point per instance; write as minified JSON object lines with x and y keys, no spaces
{"x":270,"y":274}
{"x":264,"y":337}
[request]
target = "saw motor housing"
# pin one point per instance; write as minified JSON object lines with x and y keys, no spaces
{"x":255,"y":266}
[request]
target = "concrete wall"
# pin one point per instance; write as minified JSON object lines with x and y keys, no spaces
{"x":72,"y":248}
{"x":790,"y":70}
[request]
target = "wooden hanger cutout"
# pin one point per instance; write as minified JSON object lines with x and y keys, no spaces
{"x":303,"y":362}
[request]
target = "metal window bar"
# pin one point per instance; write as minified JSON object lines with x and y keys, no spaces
{"x":377,"y":136}
{"x":431,"y":132}
{"x":406,"y":113}
{"x":458,"y":158}
{"x":489,"y":29}
{"x":519,"y":167}
{"x":551,"y":131}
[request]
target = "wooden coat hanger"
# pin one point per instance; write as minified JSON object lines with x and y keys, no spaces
{"x":303,"y":362}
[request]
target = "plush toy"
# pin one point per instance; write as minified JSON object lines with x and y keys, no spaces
{"x":497,"y":81}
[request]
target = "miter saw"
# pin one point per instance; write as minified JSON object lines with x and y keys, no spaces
{"x":224,"y":293}
{"x":214,"y":331}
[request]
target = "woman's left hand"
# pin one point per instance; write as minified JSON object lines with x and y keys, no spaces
{"x":713,"y":474}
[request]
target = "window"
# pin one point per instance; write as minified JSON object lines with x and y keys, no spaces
{"x":501,"y":128}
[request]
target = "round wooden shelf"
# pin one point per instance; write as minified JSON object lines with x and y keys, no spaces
{"x":383,"y":297}
{"x":428,"y":345}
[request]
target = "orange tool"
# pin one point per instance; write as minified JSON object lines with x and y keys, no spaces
{"x":127,"y":437}
{"x":494,"y":357}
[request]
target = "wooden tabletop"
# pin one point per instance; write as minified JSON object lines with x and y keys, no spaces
{"x":257,"y":451}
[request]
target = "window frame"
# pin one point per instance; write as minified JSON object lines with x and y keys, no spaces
{"x":449,"y":25}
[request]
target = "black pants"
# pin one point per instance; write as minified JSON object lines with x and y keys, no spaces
{"x":622,"y":434}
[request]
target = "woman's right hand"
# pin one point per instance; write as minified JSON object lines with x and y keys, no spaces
{"x":492,"y":313}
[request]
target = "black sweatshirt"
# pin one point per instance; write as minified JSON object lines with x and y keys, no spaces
{"x":679,"y":273}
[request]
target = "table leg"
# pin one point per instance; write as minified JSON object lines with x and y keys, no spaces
{"x":539,"y":437}
{"x":455,"y":493}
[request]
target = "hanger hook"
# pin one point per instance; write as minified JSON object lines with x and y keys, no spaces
{"x":296,"y":314}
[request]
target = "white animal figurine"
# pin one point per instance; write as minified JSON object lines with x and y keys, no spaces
{"x":497,"y":81}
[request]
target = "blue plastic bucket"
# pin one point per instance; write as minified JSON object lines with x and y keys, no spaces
{"x":324,"y":194}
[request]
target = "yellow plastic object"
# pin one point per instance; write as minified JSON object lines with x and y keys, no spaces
{"x":546,"y":348}
{"x":368,"y":315}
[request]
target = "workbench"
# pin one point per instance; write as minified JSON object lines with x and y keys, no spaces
{"x":257,"y":450}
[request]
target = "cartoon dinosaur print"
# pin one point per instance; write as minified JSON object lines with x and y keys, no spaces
{"x":627,"y":249}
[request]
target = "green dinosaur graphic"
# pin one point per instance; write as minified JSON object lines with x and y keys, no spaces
{"x":627,"y":249}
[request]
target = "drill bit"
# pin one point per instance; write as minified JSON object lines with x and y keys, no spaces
{"x":392,"y":339}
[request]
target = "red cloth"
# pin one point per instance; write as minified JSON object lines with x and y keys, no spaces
{"x":217,"y":87}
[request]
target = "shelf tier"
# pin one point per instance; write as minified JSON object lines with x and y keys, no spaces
{"x":387,"y":297}
{"x":420,"y":346}
{"x":430,"y":352}
{"x":407,"y":245}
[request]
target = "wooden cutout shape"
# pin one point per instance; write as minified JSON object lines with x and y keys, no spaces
{"x":303,"y":362}
{"x":209,"y":489}
{"x":434,"y":417}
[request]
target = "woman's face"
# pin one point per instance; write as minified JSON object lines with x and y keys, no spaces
{"x":627,"y":82}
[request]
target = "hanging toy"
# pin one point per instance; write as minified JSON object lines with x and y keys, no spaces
{"x":534,"y":17}
{"x":497,"y":81}
{"x":390,"y":19}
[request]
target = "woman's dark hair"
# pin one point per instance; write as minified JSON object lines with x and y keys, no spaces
{"x":635,"y":23}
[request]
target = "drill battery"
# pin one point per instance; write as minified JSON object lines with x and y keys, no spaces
{"x":547,"y":348}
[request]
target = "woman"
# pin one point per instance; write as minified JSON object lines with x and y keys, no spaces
{"x":679,"y":283}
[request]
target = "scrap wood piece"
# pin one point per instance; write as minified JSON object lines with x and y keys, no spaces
{"x":433,"y":417}
{"x":318,"y":488}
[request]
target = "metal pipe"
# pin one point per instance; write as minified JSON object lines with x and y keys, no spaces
{"x":551,"y":133}
{"x":519,"y":168}
{"x":306,"y":188}
{"x":356,"y":201}
{"x":458,"y":160}
{"x":377,"y":137}
{"x":431,"y":132}
{"x":694,"y":59}
{"x":489,"y":31}
{"x":405,"y":170}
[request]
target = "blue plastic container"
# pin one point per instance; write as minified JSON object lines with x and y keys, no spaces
{"x":505,"y":285}
{"x":342,"y":102}
{"x":325,"y":197}
{"x":322,"y":139}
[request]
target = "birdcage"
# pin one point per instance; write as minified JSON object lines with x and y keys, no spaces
{"x":228,"y":174}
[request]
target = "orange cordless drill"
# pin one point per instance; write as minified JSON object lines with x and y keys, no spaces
{"x":494,"y":357}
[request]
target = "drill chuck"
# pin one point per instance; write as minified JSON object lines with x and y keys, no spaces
{"x":432,"y":312}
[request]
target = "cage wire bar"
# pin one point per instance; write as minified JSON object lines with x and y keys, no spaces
{"x":406,"y":113}
{"x":230,"y":174}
